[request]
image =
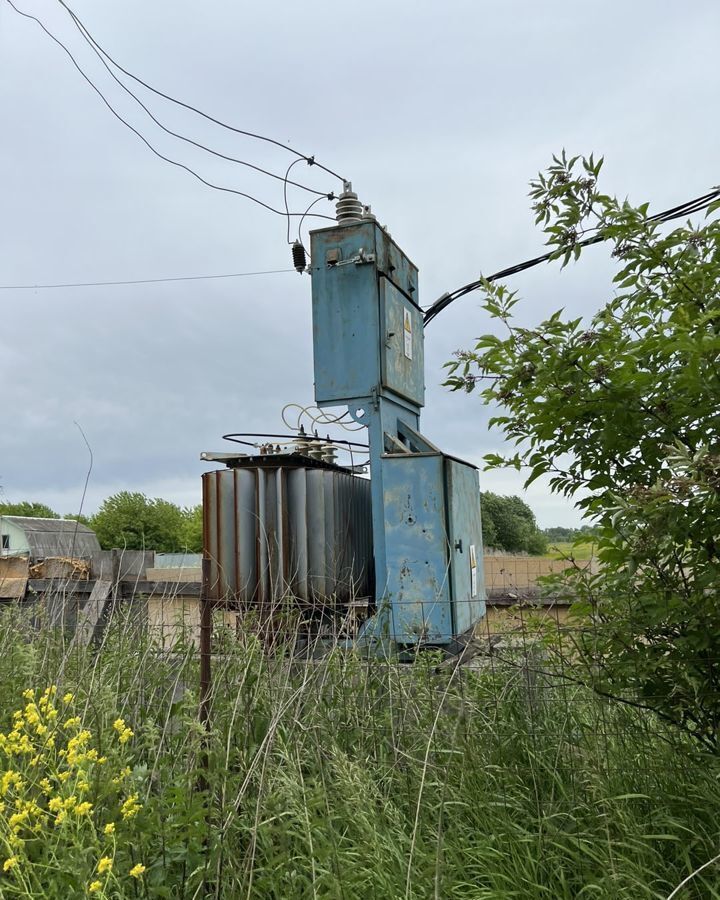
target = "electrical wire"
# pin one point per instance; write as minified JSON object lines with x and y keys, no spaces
{"x":82,"y":284}
{"x":285,"y":197}
{"x":91,"y":43}
{"x":684,"y":209}
{"x":194,"y":109}
{"x":150,"y":147}
{"x":302,"y":219}
{"x":321,"y":417}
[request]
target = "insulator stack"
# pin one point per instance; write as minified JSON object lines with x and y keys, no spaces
{"x":302,"y":444}
{"x":348,"y":209}
{"x":299,"y":257}
{"x":315,"y":450}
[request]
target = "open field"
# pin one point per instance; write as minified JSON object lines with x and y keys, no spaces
{"x":565,"y":549}
{"x":338,"y":778}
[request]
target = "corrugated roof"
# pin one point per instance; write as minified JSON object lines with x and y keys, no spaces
{"x":56,"y":537}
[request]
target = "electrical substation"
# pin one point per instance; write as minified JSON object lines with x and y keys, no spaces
{"x":398,"y":553}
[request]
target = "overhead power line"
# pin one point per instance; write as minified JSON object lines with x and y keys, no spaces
{"x":676,"y":212}
{"x":84,"y":284}
{"x":145,"y":141}
{"x":188,"y":106}
{"x":97,"y":50}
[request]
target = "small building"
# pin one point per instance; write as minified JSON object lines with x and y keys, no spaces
{"x":42,"y":538}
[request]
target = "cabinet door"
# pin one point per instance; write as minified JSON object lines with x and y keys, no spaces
{"x":467,"y":583}
{"x":402,"y":350}
{"x":417,"y":587}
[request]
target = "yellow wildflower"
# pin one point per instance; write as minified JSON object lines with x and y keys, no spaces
{"x":137,"y":870}
{"x":51,"y":714}
{"x":32,"y":716}
{"x":125,"y":735}
{"x":70,"y":802}
{"x":10,"y":863}
{"x":55,"y":804}
{"x":94,"y":887}
{"x":72,"y":722}
{"x":29,"y":694}
{"x":104,"y":865}
{"x":101,"y":760}
{"x":119,"y":725}
{"x":124,"y":773}
{"x":130,"y":807}
{"x":60,"y":818}
{"x":41,"y":729}
{"x":68,"y":698}
{"x":18,"y":819}
{"x":109,"y":828}
{"x":10,"y":779}
{"x":45,"y":785}
{"x":63,"y":776}
{"x":84,"y":808}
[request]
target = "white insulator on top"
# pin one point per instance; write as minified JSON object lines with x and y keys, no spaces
{"x":328,"y":455}
{"x":348,"y":209}
{"x":315,"y":450}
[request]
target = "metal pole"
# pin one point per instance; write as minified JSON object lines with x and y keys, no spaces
{"x":206,"y":625}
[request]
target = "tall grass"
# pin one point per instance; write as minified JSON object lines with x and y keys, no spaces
{"x":351,"y":777}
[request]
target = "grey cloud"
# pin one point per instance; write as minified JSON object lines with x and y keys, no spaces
{"x":440,"y":114}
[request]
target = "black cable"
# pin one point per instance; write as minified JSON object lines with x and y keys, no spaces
{"x":675,"y":212}
{"x":307,"y":212}
{"x":88,"y":39}
{"x":188,"y":106}
{"x":235,"y":438}
{"x":81,"y":284}
{"x":150,"y":147}
{"x":285,"y":198}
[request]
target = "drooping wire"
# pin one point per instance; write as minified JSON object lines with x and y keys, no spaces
{"x":314,"y":215}
{"x":83,"y":284}
{"x":191,"y":108}
{"x":91,"y":43}
{"x":684,"y":209}
{"x":150,"y":147}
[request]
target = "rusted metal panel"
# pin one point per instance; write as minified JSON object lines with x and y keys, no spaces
{"x":14,"y":573}
{"x":272,"y":532}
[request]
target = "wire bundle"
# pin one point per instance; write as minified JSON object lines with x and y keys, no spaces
{"x":111,"y":64}
{"x":676,"y":212}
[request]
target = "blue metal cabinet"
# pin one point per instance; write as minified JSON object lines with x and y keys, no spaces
{"x":467,"y":580}
{"x":367,"y":330}
{"x":417,"y":589}
{"x":369,"y":355}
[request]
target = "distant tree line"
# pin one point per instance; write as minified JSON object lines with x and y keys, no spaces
{"x":559,"y":534}
{"x":136,"y":522}
{"x":132,"y":521}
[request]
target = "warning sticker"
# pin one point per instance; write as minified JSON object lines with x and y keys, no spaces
{"x":407,"y":332}
{"x":473,"y":571}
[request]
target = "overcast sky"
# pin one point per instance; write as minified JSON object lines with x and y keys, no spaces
{"x":439,"y":113}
